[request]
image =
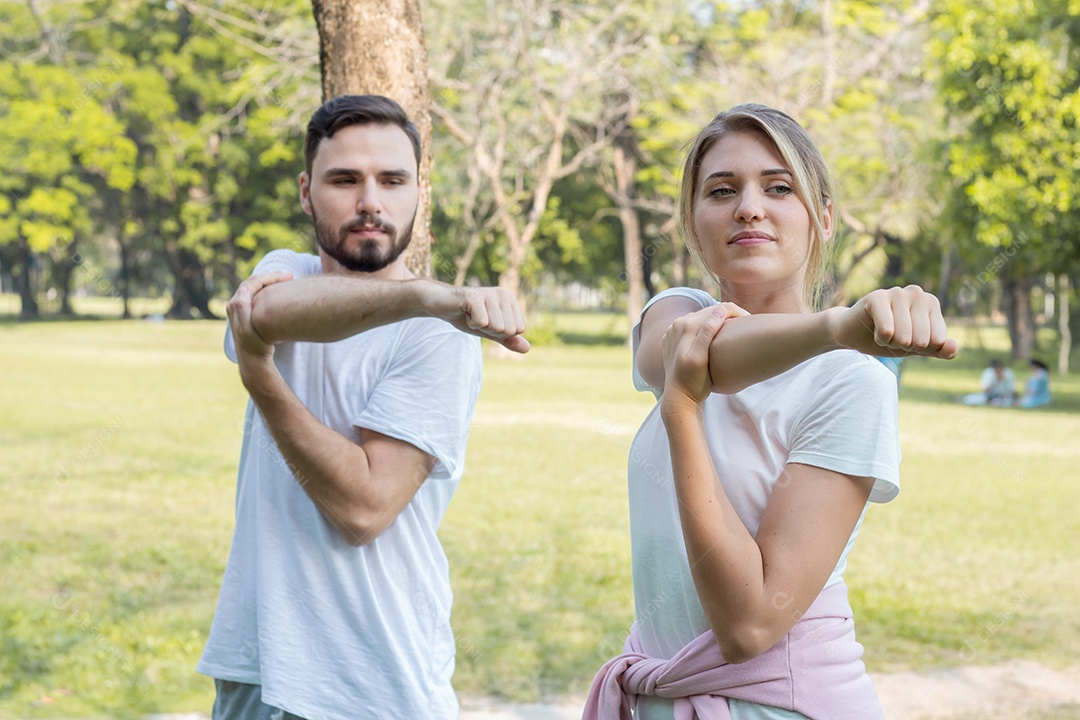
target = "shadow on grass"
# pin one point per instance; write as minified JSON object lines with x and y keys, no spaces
{"x":590,"y":339}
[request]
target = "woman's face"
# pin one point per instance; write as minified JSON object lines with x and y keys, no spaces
{"x":754,"y":230}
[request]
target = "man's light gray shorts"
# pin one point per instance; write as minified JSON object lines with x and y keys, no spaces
{"x":241,"y":701}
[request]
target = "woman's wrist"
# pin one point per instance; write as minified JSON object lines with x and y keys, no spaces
{"x":829,"y":327}
{"x":676,"y":405}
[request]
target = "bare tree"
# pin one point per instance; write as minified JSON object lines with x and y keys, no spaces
{"x":522,"y":95}
{"x":377,"y":47}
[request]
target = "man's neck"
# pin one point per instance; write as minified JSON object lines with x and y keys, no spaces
{"x":396,"y":270}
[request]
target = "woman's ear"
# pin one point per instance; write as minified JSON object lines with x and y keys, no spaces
{"x":827,"y":220}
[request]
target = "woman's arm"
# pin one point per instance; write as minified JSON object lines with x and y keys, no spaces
{"x":751,"y":348}
{"x":752,"y":590}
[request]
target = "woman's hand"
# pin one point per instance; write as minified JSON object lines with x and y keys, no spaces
{"x":687,"y":380}
{"x":897,"y":322}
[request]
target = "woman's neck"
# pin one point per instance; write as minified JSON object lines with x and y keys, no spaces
{"x":758,"y":302}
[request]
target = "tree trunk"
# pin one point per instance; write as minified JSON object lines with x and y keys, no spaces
{"x":945,"y":280}
{"x":625,"y":165}
{"x":646,"y":274}
{"x":1016,"y":301}
{"x":510,"y":278}
{"x":377,"y":47}
{"x":679,"y":259}
{"x":1062,"y":301}
{"x":27,"y":282}
{"x":189,"y":285}
{"x":894,"y":259}
{"x":63,"y":271}
{"x":125,"y":276}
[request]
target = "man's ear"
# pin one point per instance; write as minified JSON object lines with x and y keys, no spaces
{"x":305,"y":193}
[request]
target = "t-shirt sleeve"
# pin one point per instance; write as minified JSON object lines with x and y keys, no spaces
{"x":276,"y":261}
{"x":427,"y":396}
{"x":701,"y":297}
{"x":849,"y":426}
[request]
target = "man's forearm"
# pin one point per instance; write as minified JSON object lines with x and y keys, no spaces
{"x":330,"y":308}
{"x":332,"y":470}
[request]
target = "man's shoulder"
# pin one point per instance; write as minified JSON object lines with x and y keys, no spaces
{"x":439,"y":332}
{"x":285,"y":260}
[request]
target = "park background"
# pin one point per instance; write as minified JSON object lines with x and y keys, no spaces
{"x":148,"y":158}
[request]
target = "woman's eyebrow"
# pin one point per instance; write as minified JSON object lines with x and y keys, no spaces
{"x":766,"y":172}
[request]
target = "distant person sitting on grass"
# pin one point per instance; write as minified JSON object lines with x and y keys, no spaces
{"x":998,"y":385}
{"x":1037,"y":389}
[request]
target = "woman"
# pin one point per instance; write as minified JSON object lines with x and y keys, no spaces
{"x":750,"y":477}
{"x":1037,"y":389}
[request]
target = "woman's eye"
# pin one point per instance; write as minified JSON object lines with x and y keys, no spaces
{"x":781,"y":189}
{"x":722,"y":191}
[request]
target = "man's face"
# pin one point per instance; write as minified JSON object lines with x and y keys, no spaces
{"x":362,"y":194}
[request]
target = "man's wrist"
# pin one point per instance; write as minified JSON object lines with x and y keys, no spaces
{"x":434,"y":298}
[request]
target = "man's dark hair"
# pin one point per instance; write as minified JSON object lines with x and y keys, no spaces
{"x":346,"y":110}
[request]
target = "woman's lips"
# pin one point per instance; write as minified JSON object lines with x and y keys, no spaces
{"x":750,"y":240}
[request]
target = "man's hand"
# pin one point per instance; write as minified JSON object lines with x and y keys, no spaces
{"x":250,"y":347}
{"x":897,"y":322}
{"x":489,"y":312}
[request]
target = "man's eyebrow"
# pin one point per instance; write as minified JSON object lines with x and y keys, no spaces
{"x":351,"y":172}
{"x":766,"y":172}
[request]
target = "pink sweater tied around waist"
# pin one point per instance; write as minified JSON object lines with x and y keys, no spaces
{"x":816,"y":670}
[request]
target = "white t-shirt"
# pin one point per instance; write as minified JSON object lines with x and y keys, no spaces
{"x":836,"y":411}
{"x":331,"y":631}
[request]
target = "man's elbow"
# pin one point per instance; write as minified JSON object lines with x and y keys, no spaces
{"x":261,"y":320}
{"x":361,"y":527}
{"x":358,"y":534}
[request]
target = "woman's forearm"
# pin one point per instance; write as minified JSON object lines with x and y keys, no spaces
{"x":753,"y":348}
{"x":725,"y":561}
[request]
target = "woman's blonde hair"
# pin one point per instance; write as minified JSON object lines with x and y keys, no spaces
{"x":811,"y":178}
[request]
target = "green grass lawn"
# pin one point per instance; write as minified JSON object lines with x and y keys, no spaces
{"x":119,"y":445}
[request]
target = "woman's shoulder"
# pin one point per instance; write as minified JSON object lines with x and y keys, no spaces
{"x":848,"y":370}
{"x":700,"y":297}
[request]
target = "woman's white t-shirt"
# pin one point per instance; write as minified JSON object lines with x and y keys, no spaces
{"x":836,"y":411}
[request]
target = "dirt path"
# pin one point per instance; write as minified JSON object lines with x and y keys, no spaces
{"x":1000,"y":692}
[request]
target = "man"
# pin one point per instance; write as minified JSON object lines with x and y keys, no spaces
{"x":336,"y":598}
{"x":999,"y":383}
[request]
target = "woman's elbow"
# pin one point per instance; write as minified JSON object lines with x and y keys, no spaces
{"x":741,"y":645}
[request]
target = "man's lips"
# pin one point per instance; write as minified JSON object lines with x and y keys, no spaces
{"x":369,"y":231}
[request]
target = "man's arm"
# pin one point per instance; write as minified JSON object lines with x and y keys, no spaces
{"x":327,"y":308}
{"x":359,"y":488}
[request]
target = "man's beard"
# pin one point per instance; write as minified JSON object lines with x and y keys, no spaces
{"x":370,"y":256}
